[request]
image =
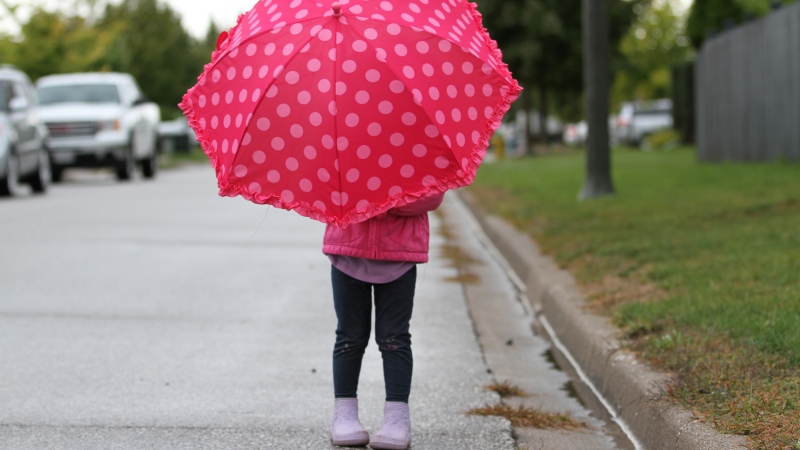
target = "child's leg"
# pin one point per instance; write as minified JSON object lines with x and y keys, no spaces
{"x":393,"y":306}
{"x":352,"y":300}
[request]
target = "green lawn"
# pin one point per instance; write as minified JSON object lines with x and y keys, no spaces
{"x":698,"y":263}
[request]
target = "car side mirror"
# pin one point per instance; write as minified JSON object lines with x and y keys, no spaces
{"x":18,"y":104}
{"x":141,"y":101}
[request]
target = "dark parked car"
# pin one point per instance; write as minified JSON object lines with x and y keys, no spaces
{"x":23,"y":156}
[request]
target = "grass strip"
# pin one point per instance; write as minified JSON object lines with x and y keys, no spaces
{"x":698,"y":263}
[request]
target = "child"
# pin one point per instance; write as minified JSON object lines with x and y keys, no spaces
{"x":380,"y":256}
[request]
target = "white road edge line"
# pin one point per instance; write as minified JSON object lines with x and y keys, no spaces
{"x":487,"y":243}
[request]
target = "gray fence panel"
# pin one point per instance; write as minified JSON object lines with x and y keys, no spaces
{"x":748,"y":91}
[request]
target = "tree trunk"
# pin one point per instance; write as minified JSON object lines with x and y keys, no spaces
{"x":526,"y":106}
{"x":597,"y":53}
{"x":543,"y":113}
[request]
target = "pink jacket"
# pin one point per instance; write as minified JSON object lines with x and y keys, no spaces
{"x":402,"y":234}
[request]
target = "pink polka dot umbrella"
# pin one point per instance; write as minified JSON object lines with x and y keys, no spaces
{"x":342,"y":111}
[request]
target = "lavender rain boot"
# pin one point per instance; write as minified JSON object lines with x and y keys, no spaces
{"x":346,"y":429}
{"x":395,"y":433}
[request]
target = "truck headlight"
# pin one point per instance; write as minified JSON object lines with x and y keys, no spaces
{"x":109,"y":125}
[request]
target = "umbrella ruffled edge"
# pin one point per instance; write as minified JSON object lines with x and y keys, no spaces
{"x":404,"y":198}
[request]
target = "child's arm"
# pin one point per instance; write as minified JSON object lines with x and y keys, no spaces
{"x":420,"y":206}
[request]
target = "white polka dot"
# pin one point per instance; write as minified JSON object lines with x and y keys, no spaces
{"x":352,"y":175}
{"x":452,"y":91}
{"x":231,"y":73}
{"x":374,"y":184}
{"x":263,"y":124}
{"x":342,"y":143}
{"x":374,"y":129}
{"x":487,"y":90}
{"x":488,"y":112}
{"x":407,"y":17}
{"x":407,"y":171}
{"x":442,"y":162}
{"x":263,"y":71}
{"x":373,"y":75}
{"x":327,"y":141}
{"x":472,"y":113}
{"x":251,"y":49}
{"x":324,"y":85}
{"x":351,"y":120}
{"x":349,"y":66}
{"x":476,"y":137}
{"x":445,"y":45}
{"x":229,"y":97}
{"x":325,"y":35}
{"x":467,"y":67}
{"x":408,"y":71}
{"x":423,"y":47}
{"x":332,"y":54}
{"x":216,"y":75}
{"x":292,"y":77}
{"x":400,"y":50}
{"x":273,"y":176}
{"x":278,"y":144}
{"x":296,"y":130}
{"x":362,"y":206}
{"x":247,"y":72}
{"x":315,"y":119}
{"x":363,"y":152}
{"x":486,"y":69}
{"x":269,"y":49}
{"x":283,"y":110}
{"x":256,"y":95}
{"x":397,"y":86}
{"x":305,"y":185}
{"x":370,"y":34}
{"x":431,"y":131}
{"x":323,"y":175}
{"x":272,"y":92}
{"x":393,"y":29}
{"x":247,"y":139}
{"x":433,"y":93}
{"x":304,"y":97}
{"x":310,"y":152}
{"x":456,"y":115}
{"x":359,"y":46}
{"x":427,"y":69}
{"x":301,"y":14}
{"x":447,"y":68}
{"x":242,"y":95}
{"x":215,"y":99}
{"x":461,"y":140}
{"x":259,"y":157}
{"x":341,"y":88}
{"x":419,"y":150}
{"x":287,"y":196}
{"x":296,"y":29}
{"x":440,"y":119}
{"x":385,"y":161}
{"x":339,"y":198}
{"x":397,"y":139}
{"x":226,"y":122}
{"x":429,"y":181}
{"x":255,"y":188}
{"x":214,"y":122}
{"x":292,"y":164}
{"x":332,"y":108}
{"x":362,"y":97}
{"x":380,"y":54}
{"x":385,"y":107}
{"x":395,"y":190}
{"x":313,"y":65}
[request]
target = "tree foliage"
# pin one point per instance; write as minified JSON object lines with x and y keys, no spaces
{"x":542,"y":43}
{"x":654,"y":43}
{"x":141,"y":37}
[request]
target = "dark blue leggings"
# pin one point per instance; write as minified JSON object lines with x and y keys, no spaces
{"x":394,"y":301}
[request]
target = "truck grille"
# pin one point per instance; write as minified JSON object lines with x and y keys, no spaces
{"x":72,"y":129}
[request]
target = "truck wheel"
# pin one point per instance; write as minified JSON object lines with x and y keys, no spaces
{"x":56,"y":173}
{"x":41,"y":179}
{"x":150,"y":165}
{"x":10,"y":183}
{"x":126,"y":166}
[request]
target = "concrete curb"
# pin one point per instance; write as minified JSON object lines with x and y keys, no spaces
{"x":629,"y":388}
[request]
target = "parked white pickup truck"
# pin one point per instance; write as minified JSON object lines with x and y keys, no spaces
{"x":99,"y":120}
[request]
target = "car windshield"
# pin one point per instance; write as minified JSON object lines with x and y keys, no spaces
{"x":80,"y":93}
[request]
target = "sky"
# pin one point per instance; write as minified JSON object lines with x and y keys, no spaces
{"x":195,"y":14}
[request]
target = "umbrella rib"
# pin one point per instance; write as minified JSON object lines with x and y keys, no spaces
{"x":336,"y":118}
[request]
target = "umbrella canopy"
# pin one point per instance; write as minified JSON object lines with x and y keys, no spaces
{"x":342,"y":111}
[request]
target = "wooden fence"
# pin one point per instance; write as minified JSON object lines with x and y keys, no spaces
{"x":747,"y":91}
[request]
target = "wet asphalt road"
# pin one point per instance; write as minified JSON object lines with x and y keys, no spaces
{"x":157,"y":315}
